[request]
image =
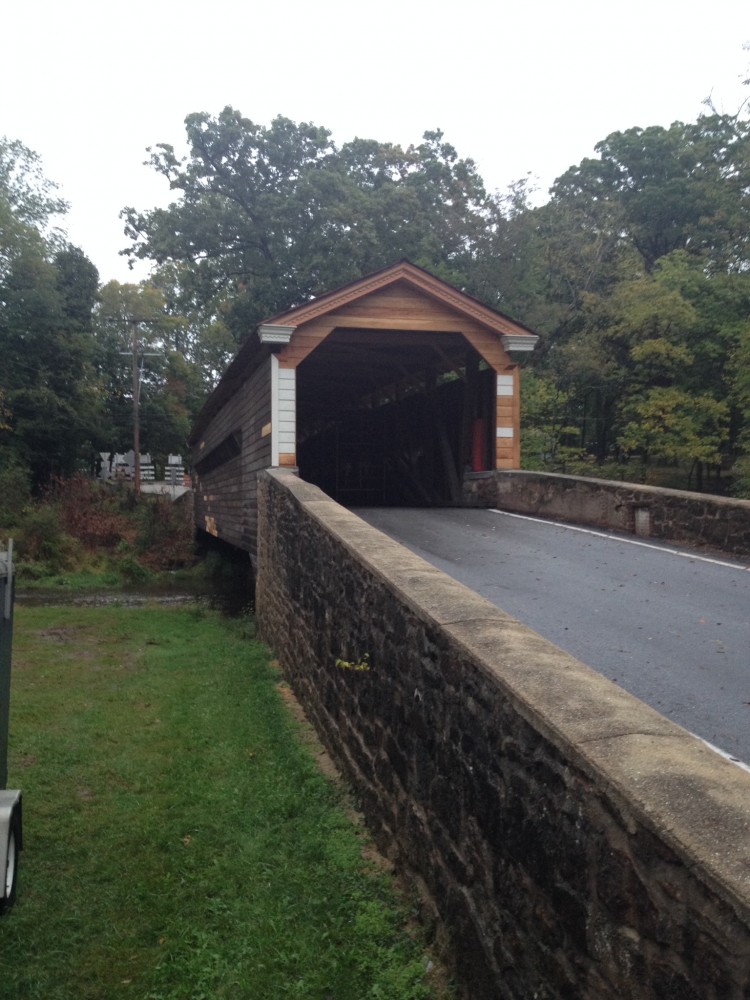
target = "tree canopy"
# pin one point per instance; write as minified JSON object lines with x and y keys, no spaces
{"x":636,"y":271}
{"x":47,"y":292}
{"x":269,"y":216}
{"x":65,"y":385}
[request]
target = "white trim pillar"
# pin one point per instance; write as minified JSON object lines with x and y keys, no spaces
{"x":283,"y":414}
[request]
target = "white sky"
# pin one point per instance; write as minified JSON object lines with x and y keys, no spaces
{"x":521,"y":88}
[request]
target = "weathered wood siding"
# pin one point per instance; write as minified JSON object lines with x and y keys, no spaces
{"x":228,"y":457}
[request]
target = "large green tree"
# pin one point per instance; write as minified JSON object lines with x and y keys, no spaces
{"x":686,"y":187}
{"x":134,"y":326}
{"x":646,"y":285}
{"x":268,"y":216}
{"x":47,"y":350}
{"x":47,"y":291}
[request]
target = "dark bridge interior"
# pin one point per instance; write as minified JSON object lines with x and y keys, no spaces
{"x":394,"y":417}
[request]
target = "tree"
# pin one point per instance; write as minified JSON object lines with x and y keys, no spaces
{"x":508,"y":267}
{"x":201,"y":336}
{"x":646,"y":284}
{"x":270,"y":216}
{"x":676,"y":426}
{"x":47,"y":290}
{"x":134,"y":327}
{"x":545,"y":409}
{"x":46,"y":344}
{"x":25,"y":192}
{"x":686,"y":187}
{"x":740,"y":397}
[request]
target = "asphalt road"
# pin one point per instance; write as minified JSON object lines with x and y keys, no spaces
{"x":672,"y":627}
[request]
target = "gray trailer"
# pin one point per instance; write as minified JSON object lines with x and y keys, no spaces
{"x":11,"y":825}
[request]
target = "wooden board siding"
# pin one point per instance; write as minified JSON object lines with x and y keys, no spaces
{"x":399,"y":307}
{"x":225,"y":496}
{"x":399,"y":275}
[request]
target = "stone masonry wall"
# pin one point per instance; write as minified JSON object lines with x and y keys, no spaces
{"x":675,"y":515}
{"x":573,"y":843}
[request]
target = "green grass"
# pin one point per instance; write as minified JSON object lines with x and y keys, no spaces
{"x":115,"y":574}
{"x":33,"y":577}
{"x":180,"y":841}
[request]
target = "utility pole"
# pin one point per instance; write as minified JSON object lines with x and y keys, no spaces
{"x":138,"y":357}
{"x":136,"y":409}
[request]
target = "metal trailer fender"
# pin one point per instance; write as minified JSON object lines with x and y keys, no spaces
{"x":11,"y":825}
{"x":11,"y":843}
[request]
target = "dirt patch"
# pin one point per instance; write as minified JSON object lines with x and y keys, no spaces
{"x":60,"y":634}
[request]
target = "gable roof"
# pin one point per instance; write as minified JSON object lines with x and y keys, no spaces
{"x":278,"y":330}
{"x":410,"y":274}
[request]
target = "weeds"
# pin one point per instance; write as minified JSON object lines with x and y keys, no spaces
{"x":84,"y":526}
{"x":165,"y":533}
{"x":360,"y":664}
{"x":43,"y":541}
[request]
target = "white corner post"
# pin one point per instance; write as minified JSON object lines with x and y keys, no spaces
{"x":283,"y":414}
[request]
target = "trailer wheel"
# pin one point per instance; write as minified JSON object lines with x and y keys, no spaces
{"x":10,"y":867}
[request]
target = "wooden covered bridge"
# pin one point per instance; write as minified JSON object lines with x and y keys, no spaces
{"x":384,"y":391}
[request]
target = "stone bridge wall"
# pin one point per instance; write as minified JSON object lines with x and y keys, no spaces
{"x":674,"y":515}
{"x":573,"y":843}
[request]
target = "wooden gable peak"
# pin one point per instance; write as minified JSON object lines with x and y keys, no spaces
{"x":417,"y":278}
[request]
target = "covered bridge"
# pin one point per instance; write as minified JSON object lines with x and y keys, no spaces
{"x":384,"y":391}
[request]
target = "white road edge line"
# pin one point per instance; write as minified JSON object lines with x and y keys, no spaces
{"x":723,"y":753}
{"x":673,"y":552}
{"x":627,"y":541}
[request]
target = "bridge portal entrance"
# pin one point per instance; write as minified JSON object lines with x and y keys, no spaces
{"x":394,"y":417}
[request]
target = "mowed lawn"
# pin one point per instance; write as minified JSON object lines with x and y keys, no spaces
{"x":180,"y":840}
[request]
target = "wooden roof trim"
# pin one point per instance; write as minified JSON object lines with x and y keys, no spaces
{"x":476,"y":335}
{"x":434,"y":287}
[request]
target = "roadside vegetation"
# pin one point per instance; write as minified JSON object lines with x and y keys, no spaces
{"x":181,"y":843}
{"x":84,"y":534}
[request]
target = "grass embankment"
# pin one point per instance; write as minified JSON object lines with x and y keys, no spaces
{"x":180,"y":840}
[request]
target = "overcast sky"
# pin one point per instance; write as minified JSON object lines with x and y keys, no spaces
{"x":521,"y":88}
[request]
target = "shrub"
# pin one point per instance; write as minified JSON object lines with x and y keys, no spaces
{"x":41,"y":539}
{"x":82,"y":523}
{"x":165,"y":536}
{"x":133,"y":571}
{"x":741,"y":478}
{"x":90,"y":511}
